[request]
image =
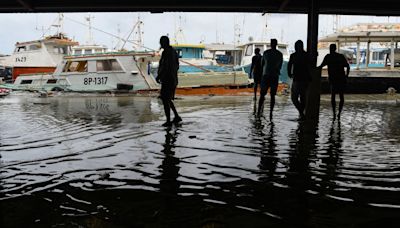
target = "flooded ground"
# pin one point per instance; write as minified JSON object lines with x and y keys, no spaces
{"x":73,"y":161}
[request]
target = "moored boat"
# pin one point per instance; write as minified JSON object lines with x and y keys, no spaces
{"x":38,"y":56}
{"x":105,"y":72}
{"x":248,"y":53}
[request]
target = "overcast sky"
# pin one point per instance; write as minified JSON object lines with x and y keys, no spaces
{"x":196,"y":27}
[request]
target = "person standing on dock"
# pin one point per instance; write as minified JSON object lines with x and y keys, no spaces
{"x":256,"y":70}
{"x":337,"y":77}
{"x":271,"y":64}
{"x":298,"y":69}
{"x":168,"y":77}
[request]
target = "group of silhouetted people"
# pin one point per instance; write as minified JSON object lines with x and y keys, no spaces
{"x":266,"y":69}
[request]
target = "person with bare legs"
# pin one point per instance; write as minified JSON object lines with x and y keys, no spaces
{"x":337,"y":77}
{"x":168,"y":77}
{"x":271,"y":64}
{"x":298,"y":69}
{"x":256,"y":70}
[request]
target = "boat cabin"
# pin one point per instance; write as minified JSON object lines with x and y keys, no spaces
{"x":189,"y":51}
{"x":224,"y":54}
{"x":88,"y":49}
{"x":249,"y":48}
{"x":39,"y":56}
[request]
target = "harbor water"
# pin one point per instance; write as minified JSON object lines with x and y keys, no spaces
{"x":105,"y":161}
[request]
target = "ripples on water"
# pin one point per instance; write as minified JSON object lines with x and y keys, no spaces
{"x":106,"y":162}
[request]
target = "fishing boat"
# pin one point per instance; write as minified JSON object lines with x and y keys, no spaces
{"x":125,"y":72}
{"x":198,"y":75}
{"x":103,"y":72}
{"x":249,"y":51}
{"x":38,"y":56}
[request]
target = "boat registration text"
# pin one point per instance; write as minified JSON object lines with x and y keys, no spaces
{"x":95,"y":81}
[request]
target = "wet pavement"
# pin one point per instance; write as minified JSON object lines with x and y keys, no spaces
{"x":87,"y":161}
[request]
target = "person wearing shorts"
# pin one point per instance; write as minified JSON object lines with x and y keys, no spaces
{"x":256,"y":70}
{"x":271,"y":64}
{"x":168,"y":77}
{"x":337,"y":77}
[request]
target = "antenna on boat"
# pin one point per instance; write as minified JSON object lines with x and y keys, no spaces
{"x":264,"y":29}
{"x":179,"y":36}
{"x":137,"y":36}
{"x":42,"y":30}
{"x":237,"y":33}
{"x":118,"y":37}
{"x":216,"y":31}
{"x":90,"y":39}
{"x":336,"y":23}
{"x":60,"y":23}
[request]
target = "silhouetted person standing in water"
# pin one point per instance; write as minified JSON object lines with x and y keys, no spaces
{"x":168,"y":77}
{"x":256,"y":70}
{"x":271,"y":63}
{"x":337,"y":77}
{"x":298,"y":69}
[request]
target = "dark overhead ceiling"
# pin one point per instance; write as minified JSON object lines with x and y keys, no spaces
{"x":357,"y":7}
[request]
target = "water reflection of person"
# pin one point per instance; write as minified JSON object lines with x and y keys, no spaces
{"x":332,"y":160}
{"x":269,"y":160}
{"x":302,"y":144}
{"x":169,"y":167}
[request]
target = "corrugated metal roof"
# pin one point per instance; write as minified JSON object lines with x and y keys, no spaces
{"x":374,"y":32}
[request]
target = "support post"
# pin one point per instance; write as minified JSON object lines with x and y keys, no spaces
{"x":367,"y":55}
{"x":314,"y":89}
{"x":392,"y":54}
{"x":358,"y":55}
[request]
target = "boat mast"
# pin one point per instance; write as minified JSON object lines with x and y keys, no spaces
{"x":264,"y":29}
{"x":90,"y":39}
{"x":336,"y":23}
{"x":138,"y":36}
{"x":137,"y":41}
{"x":59,"y":24}
{"x":179,"y":35}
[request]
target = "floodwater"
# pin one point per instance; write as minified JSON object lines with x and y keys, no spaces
{"x":86,"y":161}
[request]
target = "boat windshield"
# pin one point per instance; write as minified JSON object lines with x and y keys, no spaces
{"x":283,"y":50}
{"x":249,"y":50}
{"x":75,"y":66}
{"x":108,"y":65}
{"x":261,"y":47}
